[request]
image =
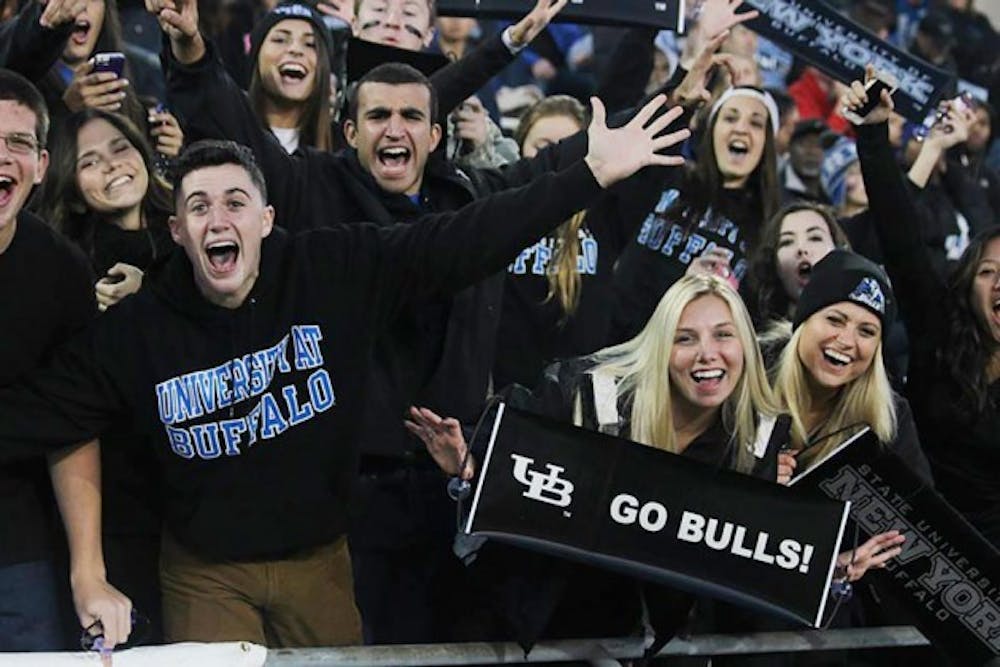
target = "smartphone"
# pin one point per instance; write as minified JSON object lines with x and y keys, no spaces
{"x":881,"y":81}
{"x":961,"y":103}
{"x":159,"y":108}
{"x":113,"y":61}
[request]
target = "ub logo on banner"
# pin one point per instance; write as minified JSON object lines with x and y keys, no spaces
{"x":655,"y":515}
{"x":546,"y":488}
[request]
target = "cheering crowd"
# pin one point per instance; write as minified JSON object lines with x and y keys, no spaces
{"x":261,"y":263}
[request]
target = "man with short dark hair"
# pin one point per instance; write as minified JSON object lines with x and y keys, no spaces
{"x":46,"y":294}
{"x":245,"y":363}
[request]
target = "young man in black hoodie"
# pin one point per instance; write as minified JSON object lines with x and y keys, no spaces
{"x":245,"y":364}
{"x":46,"y":294}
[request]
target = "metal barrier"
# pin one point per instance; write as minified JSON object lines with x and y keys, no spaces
{"x":599,"y":651}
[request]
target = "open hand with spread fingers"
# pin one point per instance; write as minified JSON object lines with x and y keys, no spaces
{"x":874,"y":553}
{"x":614,"y":155}
{"x":718,"y":16}
{"x":693,"y":88}
{"x":444,"y":441}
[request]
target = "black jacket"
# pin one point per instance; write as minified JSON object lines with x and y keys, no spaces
{"x":963,"y":448}
{"x":46,"y":295}
{"x":253,"y":411}
{"x":28,"y":48}
{"x":534,"y":330}
{"x":951,"y":209}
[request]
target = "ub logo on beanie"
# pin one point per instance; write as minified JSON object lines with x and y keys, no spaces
{"x":845,"y":276}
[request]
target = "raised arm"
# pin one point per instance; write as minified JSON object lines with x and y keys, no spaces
{"x":461,"y":79}
{"x":210,"y":105}
{"x":894,"y":215}
{"x":446,"y":252}
{"x":689,"y":94}
{"x":32,"y":41}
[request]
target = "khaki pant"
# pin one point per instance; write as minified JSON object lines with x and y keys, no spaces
{"x":304,"y":600}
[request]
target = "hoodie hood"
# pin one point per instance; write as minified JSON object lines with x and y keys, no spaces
{"x":173,"y":280}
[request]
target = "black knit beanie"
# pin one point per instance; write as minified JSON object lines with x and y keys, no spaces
{"x":845,"y":276}
{"x":284,"y":12}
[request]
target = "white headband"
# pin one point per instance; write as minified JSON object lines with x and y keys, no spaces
{"x":762,"y":97}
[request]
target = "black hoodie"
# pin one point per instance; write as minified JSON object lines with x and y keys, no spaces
{"x":254,"y":411}
{"x":437,"y":354}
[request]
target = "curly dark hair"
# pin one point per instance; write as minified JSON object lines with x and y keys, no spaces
{"x":969,"y":345}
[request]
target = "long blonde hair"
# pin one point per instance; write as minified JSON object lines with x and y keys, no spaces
{"x":563,"y":275}
{"x":866,"y":401}
{"x":642,"y":364}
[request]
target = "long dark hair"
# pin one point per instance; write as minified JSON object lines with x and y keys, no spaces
{"x":969,"y":346}
{"x":314,"y":125}
{"x":63,"y":204}
{"x":768,"y":299}
{"x":704,"y":184}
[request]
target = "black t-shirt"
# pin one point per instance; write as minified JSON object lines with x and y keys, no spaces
{"x":46,"y":294}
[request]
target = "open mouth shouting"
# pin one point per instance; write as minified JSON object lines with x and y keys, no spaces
{"x":222,"y":256}
{"x":393,"y":159}
{"x":738,"y":149}
{"x":993,"y":317}
{"x":8,"y":184}
{"x":81,"y":31}
{"x":292,"y":73}
{"x":803,"y":272}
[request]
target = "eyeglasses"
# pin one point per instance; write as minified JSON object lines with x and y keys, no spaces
{"x":20,"y":143}
{"x":92,"y":637}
